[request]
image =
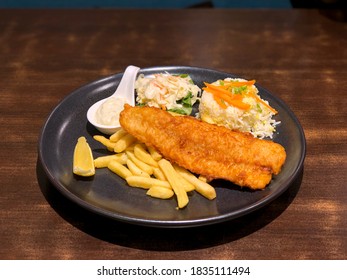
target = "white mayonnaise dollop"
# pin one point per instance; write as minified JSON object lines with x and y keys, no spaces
{"x":108,"y":112}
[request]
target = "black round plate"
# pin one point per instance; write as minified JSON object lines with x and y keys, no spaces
{"x":108,"y":195}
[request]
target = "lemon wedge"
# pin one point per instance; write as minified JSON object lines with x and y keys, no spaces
{"x":83,"y":162}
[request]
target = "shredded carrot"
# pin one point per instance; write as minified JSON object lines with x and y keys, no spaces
{"x":238,"y":84}
{"x":255,"y":96}
{"x":158,"y":85}
{"x":223,"y":91}
{"x":218,"y":96}
{"x":240,"y":104}
{"x":265,"y":104}
{"x":220,"y":102}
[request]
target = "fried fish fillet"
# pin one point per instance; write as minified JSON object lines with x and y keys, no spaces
{"x":206,"y":149}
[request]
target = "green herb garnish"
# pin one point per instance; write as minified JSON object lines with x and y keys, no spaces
{"x":186,"y":103}
{"x":239,"y":90}
{"x":259,"y":108}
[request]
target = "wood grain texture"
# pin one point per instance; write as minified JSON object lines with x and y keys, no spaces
{"x":299,"y":55}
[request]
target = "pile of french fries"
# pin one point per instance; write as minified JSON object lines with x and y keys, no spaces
{"x":143,"y":167}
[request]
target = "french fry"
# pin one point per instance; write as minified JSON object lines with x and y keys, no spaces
{"x":146,"y":183}
{"x":103,"y":161}
{"x":159,"y":192}
{"x":136,"y":163}
{"x":159,"y":174}
{"x":155,"y":155}
{"x":124,"y":143}
{"x":131,"y":147}
{"x":202,"y":178}
{"x":106,"y":142}
{"x":119,"y":169}
{"x":135,"y":170}
{"x":172,"y":177}
{"x":118,"y":135}
{"x":201,"y":187}
{"x":188,"y":187}
{"x":140,"y":164}
{"x":144,"y":156}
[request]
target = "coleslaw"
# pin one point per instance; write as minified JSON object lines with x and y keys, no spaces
{"x":175,"y":93}
{"x":236,"y":104}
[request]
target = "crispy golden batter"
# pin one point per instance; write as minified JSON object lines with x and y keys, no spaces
{"x":206,"y":149}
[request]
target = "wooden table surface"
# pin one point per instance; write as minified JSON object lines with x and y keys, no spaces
{"x":300,"y":55}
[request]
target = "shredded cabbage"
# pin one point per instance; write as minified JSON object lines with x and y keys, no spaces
{"x":257,"y":120}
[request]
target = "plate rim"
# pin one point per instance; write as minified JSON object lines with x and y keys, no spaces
{"x":170,"y":223}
